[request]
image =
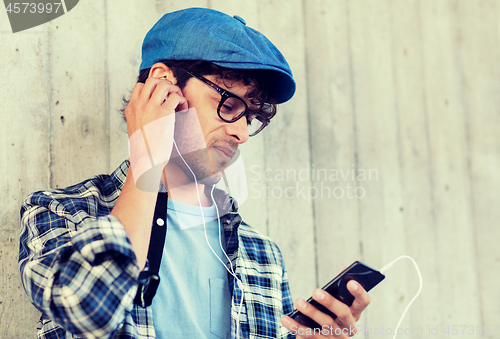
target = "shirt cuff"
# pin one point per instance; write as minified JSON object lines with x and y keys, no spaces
{"x":106,"y":239}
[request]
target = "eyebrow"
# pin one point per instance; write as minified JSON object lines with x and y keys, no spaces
{"x":218,"y":81}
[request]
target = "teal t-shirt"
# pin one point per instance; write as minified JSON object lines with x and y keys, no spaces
{"x":193,"y":299}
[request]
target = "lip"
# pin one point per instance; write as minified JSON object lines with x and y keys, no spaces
{"x":226,"y":152}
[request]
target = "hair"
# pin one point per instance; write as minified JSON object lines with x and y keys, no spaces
{"x":259,"y":94}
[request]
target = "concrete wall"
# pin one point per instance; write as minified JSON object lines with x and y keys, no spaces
{"x":402,"y":93}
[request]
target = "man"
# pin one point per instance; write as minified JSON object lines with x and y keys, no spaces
{"x":207,"y":83}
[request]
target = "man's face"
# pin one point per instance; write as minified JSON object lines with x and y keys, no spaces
{"x":206,"y":142}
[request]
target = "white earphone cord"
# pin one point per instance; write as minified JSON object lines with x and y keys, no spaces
{"x":386,"y":268}
{"x":240,"y":284}
{"x":231,"y":271}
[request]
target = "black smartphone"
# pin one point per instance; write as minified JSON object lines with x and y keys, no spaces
{"x":337,"y":287}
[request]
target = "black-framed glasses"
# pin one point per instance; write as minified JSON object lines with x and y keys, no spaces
{"x":231,"y":107}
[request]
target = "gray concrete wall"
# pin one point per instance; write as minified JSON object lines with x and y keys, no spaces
{"x":402,"y":91}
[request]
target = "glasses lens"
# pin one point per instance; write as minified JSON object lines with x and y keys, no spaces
{"x":232,"y":108}
{"x":254,"y":125}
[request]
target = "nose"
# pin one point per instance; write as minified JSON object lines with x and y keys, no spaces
{"x":238,"y":130}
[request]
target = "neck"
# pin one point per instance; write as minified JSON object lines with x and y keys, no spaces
{"x":181,"y":189}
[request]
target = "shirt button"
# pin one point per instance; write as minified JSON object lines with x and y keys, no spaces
{"x":160,"y":222}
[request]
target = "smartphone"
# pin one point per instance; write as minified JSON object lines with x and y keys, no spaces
{"x":337,"y":287}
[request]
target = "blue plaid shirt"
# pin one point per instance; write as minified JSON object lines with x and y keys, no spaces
{"x":79,"y":269}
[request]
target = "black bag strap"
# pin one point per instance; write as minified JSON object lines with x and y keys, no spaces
{"x":150,"y":279}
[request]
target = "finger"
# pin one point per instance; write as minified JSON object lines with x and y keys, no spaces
{"x":148,"y":89}
{"x":315,"y":314}
{"x":183,"y":105}
{"x":174,"y":102}
{"x":361,"y":298}
{"x":136,"y":92}
{"x":133,"y":106}
{"x":344,"y":318}
{"x":169,"y":96}
{"x":161,"y":91}
{"x":300,"y":330}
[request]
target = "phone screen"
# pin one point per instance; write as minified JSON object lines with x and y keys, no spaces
{"x":337,"y":287}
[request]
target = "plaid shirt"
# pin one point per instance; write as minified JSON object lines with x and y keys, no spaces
{"x":79,"y":269}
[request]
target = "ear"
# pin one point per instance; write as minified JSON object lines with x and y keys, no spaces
{"x":160,"y":70}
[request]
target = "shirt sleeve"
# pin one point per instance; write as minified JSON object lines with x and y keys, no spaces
{"x":286,"y":296}
{"x":287,"y":302}
{"x":80,"y":272}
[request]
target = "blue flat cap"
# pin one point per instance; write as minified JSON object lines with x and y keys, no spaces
{"x":206,"y":34}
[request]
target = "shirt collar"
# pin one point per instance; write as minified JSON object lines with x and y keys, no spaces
{"x":120,"y":174}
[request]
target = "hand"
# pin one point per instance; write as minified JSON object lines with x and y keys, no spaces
{"x":150,"y":125}
{"x":344,"y":326}
{"x":151,"y":101}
